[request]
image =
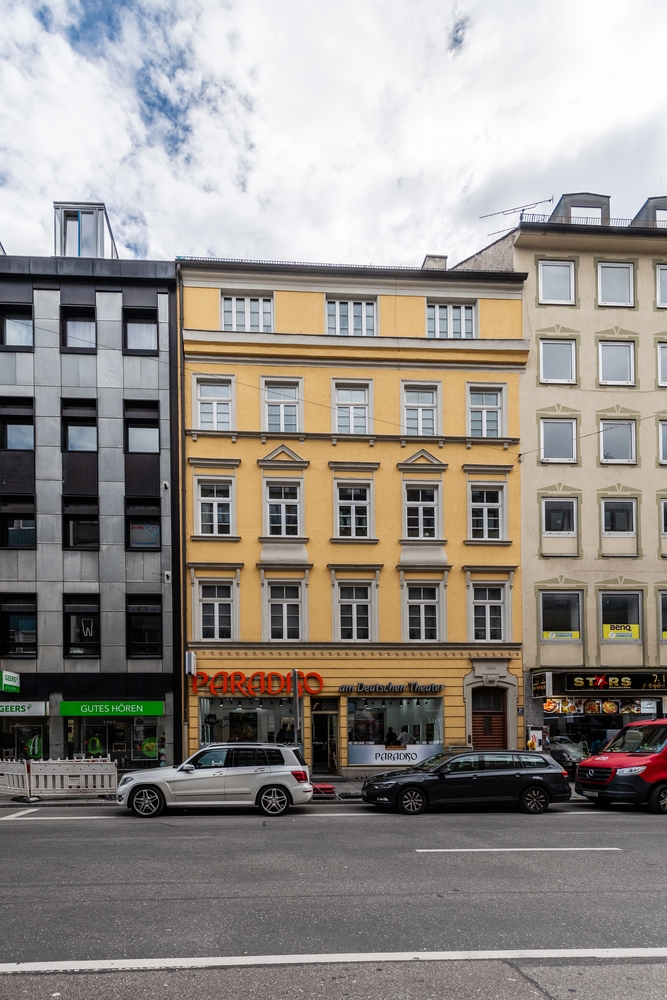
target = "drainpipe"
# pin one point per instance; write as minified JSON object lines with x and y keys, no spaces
{"x":184,"y":600}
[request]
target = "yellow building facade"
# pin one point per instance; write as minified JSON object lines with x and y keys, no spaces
{"x":351,"y":503}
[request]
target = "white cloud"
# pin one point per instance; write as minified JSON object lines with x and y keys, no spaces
{"x":343,"y":130}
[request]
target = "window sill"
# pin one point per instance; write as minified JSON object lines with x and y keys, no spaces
{"x":18,"y":548}
{"x":80,"y":548}
{"x":620,"y":555}
{"x":354,"y":541}
{"x":78,"y":350}
{"x":140,"y":354}
{"x":17,"y":348}
{"x":559,"y":555}
{"x":214,"y":538}
{"x":293,"y":539}
{"x":423,"y":541}
{"x":488,"y":541}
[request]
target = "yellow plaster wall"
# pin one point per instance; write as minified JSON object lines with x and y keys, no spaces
{"x":299,"y":312}
{"x":402,"y":316}
{"x":499,"y":318}
{"x":201,"y":308}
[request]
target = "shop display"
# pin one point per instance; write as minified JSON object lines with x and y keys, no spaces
{"x":594,"y":706}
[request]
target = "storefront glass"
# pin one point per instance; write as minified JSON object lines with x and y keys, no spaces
{"x":133,"y":743}
{"x":593,"y":722}
{"x":246,"y":720}
{"x":406,"y":724}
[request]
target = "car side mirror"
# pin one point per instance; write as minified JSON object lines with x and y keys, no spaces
{"x":443,"y":771}
{"x":188,"y":768}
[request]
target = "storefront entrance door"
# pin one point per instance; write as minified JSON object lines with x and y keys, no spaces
{"x":324,"y":728}
{"x":489,"y":723}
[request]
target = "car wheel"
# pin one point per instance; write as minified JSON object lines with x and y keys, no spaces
{"x":147,"y":802}
{"x":412,"y":801}
{"x":273,"y":801}
{"x":534,"y":800}
{"x":657,"y":800}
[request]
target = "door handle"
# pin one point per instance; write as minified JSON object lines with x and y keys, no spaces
{"x":219,"y":774}
{"x":258,"y":770}
{"x":475,"y":777}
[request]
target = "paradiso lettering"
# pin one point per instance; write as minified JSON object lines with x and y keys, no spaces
{"x":259,"y":683}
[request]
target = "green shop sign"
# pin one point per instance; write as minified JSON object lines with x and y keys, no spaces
{"x":10,"y":681}
{"x":101,"y":709}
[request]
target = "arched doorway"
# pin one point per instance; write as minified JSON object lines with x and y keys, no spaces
{"x":489,"y":718}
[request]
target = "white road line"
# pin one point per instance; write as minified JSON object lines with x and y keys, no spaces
{"x":23,"y":812}
{"x":502,"y":850}
{"x":139,"y":964}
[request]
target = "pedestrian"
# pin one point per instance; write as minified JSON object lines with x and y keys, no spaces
{"x":281,"y":735}
{"x":405,"y":737}
{"x":390,"y":737}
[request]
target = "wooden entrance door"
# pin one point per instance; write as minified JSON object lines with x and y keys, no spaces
{"x":489,"y":719}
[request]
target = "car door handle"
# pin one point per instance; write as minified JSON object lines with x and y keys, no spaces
{"x":475,"y":777}
{"x":258,"y":770}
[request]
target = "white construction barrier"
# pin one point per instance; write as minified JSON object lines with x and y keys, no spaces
{"x":13,"y":777}
{"x":94,"y":776}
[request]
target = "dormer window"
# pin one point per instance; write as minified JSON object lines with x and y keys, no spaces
{"x":83,"y":230}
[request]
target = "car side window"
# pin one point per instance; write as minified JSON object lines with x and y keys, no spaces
{"x":211,"y":758}
{"x":275,"y":757}
{"x":499,"y":761}
{"x":528,"y":760}
{"x":470,"y":762}
{"x":245,"y":757}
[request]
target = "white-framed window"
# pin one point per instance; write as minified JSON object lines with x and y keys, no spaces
{"x":423,"y":602}
{"x":662,"y":364}
{"x":661,"y":286}
{"x":557,"y":361}
{"x":663,"y":442}
{"x":349,"y":318}
{"x":488,"y":608}
{"x":558,"y":440}
{"x":352,"y":409}
{"x":247,"y":313}
{"x":617,"y":363}
{"x":485,"y":411}
{"x":355,"y":611}
{"x":486,"y":512}
{"x":353,"y":510}
{"x":617,"y":441}
{"x":420,"y":410}
{"x":620,"y":616}
{"x":616,"y":284}
{"x":559,"y":517}
{"x":619,"y":518}
{"x":215,"y":509}
{"x":663,"y":616}
{"x":561,"y":616}
{"x":663,"y":518}
{"x":556,"y":282}
{"x":216,"y":610}
{"x":214,"y":404}
{"x":285,"y":610}
{"x":282,"y":407}
{"x":284,"y":509}
{"x":421,"y":511}
{"x":453,"y":322}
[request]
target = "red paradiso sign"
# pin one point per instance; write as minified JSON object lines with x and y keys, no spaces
{"x":236,"y":683}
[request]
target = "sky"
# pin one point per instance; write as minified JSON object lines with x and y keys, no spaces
{"x":345,"y":131}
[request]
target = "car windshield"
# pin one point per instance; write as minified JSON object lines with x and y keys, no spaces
{"x":431,"y":762}
{"x":638,"y":739}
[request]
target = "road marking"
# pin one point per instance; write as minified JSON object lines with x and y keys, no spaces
{"x":139,"y":964}
{"x":501,"y":850}
{"x":23,"y":812}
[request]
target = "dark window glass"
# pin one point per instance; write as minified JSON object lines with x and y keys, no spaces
{"x":560,"y":616}
{"x":274,"y":757}
{"x":486,"y":699}
{"x":78,"y":330}
{"x":16,"y":329}
{"x":619,"y":516}
{"x":141,"y":331}
{"x":18,"y":625}
{"x":246,"y":757}
{"x":80,"y":523}
{"x":499,"y":762}
{"x":212,"y":758}
{"x":470,"y":762}
{"x":81,"y":625}
{"x":142,"y":523}
{"x":559,"y":515}
{"x":144,"y":626}
{"x":17,"y":522}
{"x":528,"y":760}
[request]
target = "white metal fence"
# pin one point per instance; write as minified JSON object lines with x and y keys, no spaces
{"x":58,"y":778}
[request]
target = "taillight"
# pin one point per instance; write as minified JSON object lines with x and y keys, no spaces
{"x":300,"y":776}
{"x":565,"y":774}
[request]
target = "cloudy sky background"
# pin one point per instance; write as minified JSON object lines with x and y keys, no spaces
{"x":364,"y":131}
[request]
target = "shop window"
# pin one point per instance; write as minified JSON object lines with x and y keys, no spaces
{"x":420,"y":405}
{"x":81,"y":625}
{"x":423,"y":613}
{"x":282,"y":407}
{"x":142,"y":523}
{"x":485,"y":412}
{"x":18,"y":625}
{"x":283,"y":510}
{"x":285,"y":611}
{"x":81,"y":522}
{"x":79,"y":425}
{"x":557,"y":361}
{"x":559,"y":518}
{"x":421,"y":512}
{"x":617,"y":441}
{"x":17,"y":522}
{"x":558,"y":440}
{"x":246,"y":313}
{"x":450,"y":321}
{"x":414,"y":723}
{"x":78,"y":331}
{"x":214,"y":400}
{"x":216,"y":611}
{"x":488,"y":613}
{"x":561,"y":616}
{"x":556,"y":282}
{"x":617,"y":363}
{"x":16,"y":328}
{"x":215,"y":509}
{"x":615,"y":284}
{"x":352,"y":409}
{"x":17,"y":431}
{"x":353,"y":511}
{"x":620,"y":616}
{"x":140,"y":331}
{"x":619,"y":518}
{"x":144,"y":626}
{"x":350,"y":319}
{"x":354,"y":610}
{"x":486,"y":518}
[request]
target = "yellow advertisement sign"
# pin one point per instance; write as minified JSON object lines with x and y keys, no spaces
{"x":620,"y":631}
{"x":561,"y":635}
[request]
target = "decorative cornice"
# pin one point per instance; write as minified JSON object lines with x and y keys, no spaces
{"x":215,"y":463}
{"x":487,"y":470}
{"x":354,"y":466}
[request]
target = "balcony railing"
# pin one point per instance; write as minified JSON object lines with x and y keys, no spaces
{"x":579,"y":221}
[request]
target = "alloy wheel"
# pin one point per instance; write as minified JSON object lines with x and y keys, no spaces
{"x":535,"y":800}
{"x":273,"y":801}
{"x":412,"y":801}
{"x":147,"y":802}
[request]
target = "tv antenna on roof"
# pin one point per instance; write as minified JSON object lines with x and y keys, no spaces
{"x":519,"y":208}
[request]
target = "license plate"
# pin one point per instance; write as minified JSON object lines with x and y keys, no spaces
{"x":591,"y":795}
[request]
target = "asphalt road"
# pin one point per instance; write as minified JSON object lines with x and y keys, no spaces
{"x":97,"y":883}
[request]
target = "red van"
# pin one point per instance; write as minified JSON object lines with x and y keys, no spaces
{"x":632,"y":768}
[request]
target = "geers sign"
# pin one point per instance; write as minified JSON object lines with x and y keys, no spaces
{"x":237,"y":684}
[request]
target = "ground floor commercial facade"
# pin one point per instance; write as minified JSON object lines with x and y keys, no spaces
{"x":360,"y":710}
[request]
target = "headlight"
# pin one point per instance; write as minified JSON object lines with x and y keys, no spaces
{"x":632,"y":770}
{"x":125,"y":781}
{"x":384,"y":784}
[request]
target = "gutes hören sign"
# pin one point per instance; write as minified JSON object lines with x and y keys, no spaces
{"x":237,"y":684}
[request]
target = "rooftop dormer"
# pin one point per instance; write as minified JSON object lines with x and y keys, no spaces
{"x":583,"y":208}
{"x":653,"y":214}
{"x":81,"y":229}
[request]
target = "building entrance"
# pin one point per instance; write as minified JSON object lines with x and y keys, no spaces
{"x":325,"y":751}
{"x":489,"y":719}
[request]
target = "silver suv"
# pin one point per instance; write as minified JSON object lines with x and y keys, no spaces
{"x":265,"y":775}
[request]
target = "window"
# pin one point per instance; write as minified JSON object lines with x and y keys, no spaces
{"x":420,"y":410}
{"x":352,"y":409}
{"x":485,"y":513}
{"x":215,"y":508}
{"x":17,"y":522}
{"x":558,"y":441}
{"x":662,"y":364}
{"x":559,"y":517}
{"x":556,"y":282}
{"x":283,"y":510}
{"x":423,"y":614}
{"x":141,"y":331}
{"x":615,"y":285}
{"x":617,"y":441}
{"x":353,"y":515}
{"x":663,"y":442}
{"x":142,"y":523}
{"x":78,"y":332}
{"x":144,"y":626}
{"x":350,"y":319}
{"x":79,"y":424}
{"x":663,"y":517}
{"x":17,"y":432}
{"x":561,"y":616}
{"x":81,"y":522}
{"x":485,"y":412}
{"x":282,"y":402}
{"x":455,"y":322}
{"x":244,"y":313}
{"x":215,"y":406}
{"x":661,"y":285}
{"x":80,"y":234}
{"x":488,"y":613}
{"x":142,"y":427}
{"x":81,"y":625}
{"x":617,"y":364}
{"x":618,"y":517}
{"x":355,"y":611}
{"x":216,"y":611}
{"x":663,"y":616}
{"x":285,"y":611}
{"x":620,"y":616}
{"x":18,"y":625}
{"x":420,"y":512}
{"x":557,"y":361}
{"x":16,"y":330}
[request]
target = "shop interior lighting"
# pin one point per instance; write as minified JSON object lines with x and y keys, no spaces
{"x":383,"y":704}
{"x":238,"y":707}
{"x":280,"y":703}
{"x":261,"y":703}
{"x":417,"y":702}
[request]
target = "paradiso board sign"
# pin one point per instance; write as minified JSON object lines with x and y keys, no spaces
{"x":615,"y":632}
{"x":236,"y":683}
